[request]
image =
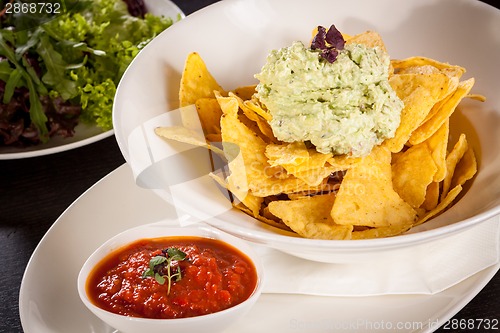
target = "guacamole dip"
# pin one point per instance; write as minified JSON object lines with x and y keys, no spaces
{"x":341,"y":107}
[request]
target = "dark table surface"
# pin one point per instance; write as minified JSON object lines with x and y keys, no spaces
{"x":35,"y":191}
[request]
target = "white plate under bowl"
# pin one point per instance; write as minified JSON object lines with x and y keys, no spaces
{"x":234,"y":40}
{"x":84,"y":134}
{"x":49,"y":301}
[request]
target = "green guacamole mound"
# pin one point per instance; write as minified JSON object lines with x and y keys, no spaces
{"x":344,"y":107}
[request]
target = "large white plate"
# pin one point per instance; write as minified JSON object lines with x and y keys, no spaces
{"x":84,"y":134}
{"x":49,"y":301}
{"x":235,"y":36}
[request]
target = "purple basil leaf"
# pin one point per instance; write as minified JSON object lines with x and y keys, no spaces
{"x":330,"y":54}
{"x":318,"y":41}
{"x":334,"y":38}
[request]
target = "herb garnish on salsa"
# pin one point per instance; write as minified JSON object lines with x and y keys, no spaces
{"x":160,"y":266}
{"x":215,"y":276}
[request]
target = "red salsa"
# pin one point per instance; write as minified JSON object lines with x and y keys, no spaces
{"x":214,"y":277}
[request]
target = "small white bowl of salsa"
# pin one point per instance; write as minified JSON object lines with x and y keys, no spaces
{"x":159,"y":277}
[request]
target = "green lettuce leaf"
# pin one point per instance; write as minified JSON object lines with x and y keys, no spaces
{"x":56,"y":70}
{"x":82,"y":55}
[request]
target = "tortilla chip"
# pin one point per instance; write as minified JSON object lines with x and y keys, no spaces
{"x":451,"y":89}
{"x":343,"y":162}
{"x":401,"y":64}
{"x":252,"y":202}
{"x":423,"y":69}
{"x":412,"y":172}
{"x":287,"y":154}
{"x":465,"y":169}
{"x":262,"y":218}
{"x":410,"y":66}
{"x":209,"y":113}
{"x":186,"y":135}
{"x":477,"y":97}
{"x":438,"y":144}
{"x":441,"y":207}
{"x":419,"y":94}
{"x":446,"y":109}
{"x":366,"y":196}
{"x":256,"y":107}
{"x":301,"y":162}
{"x":431,"y":196}
{"x":368,"y":38}
{"x":261,"y":123}
{"x":380,"y":232}
{"x":245,"y":152}
{"x":196,"y":81}
{"x":245,"y":92}
{"x":451,"y":162}
{"x":310,"y":217}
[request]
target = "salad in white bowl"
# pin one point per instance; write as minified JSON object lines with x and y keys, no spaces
{"x":60,"y":65}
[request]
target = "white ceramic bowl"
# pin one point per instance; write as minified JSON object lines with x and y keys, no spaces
{"x":236,"y":36}
{"x":214,"y":322}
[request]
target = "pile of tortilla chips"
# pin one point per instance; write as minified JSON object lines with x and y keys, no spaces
{"x":404,"y":182}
